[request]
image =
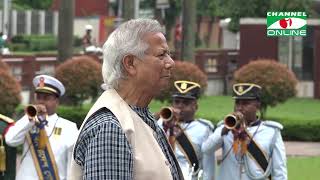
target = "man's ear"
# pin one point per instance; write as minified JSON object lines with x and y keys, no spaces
{"x":128,"y":64}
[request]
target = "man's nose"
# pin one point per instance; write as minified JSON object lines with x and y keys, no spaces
{"x":169,"y":63}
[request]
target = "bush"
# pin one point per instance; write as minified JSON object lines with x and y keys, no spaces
{"x":9,"y":93}
{"x":74,"y":114}
{"x":301,"y":131}
{"x":82,"y":78}
{"x":4,"y":66}
{"x":184,"y":71}
{"x":277,"y":81}
{"x":33,"y":43}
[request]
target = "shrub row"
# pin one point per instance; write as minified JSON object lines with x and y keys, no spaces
{"x":293,"y":130}
{"x":37,"y":42}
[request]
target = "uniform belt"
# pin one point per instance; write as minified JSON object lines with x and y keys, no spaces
{"x":187,"y":147}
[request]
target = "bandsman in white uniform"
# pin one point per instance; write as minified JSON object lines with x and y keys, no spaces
{"x":189,"y":133}
{"x":47,"y":138}
{"x":251,"y":148}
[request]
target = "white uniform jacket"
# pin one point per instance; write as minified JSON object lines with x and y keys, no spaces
{"x":197,"y":131}
{"x":61,"y":145}
{"x":236,"y":167}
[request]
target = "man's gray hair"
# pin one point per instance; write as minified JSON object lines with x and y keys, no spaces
{"x":124,"y":40}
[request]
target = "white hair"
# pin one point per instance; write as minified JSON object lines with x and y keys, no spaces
{"x":126,"y":39}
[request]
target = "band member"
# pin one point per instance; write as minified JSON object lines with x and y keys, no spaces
{"x":47,"y":138}
{"x":189,"y":133}
{"x":252,"y":148}
{"x":7,"y":154}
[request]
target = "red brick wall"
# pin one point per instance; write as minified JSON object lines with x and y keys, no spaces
{"x":87,"y":7}
{"x":254,"y":44}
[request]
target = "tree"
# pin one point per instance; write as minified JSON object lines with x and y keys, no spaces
{"x":236,"y":9}
{"x":65,"y":29}
{"x":128,"y":9}
{"x":33,"y":4}
{"x":184,"y":71}
{"x":277,"y":81}
{"x":188,"y":30}
{"x":82,"y":78}
{"x":4,"y":66}
{"x":9,"y":93}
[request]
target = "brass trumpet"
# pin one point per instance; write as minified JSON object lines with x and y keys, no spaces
{"x":233,"y":120}
{"x":167,"y":114}
{"x":31,"y":111}
{"x":41,"y":121}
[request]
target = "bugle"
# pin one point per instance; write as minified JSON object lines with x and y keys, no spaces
{"x":32,"y":112}
{"x":167,"y":114}
{"x":233,"y":120}
{"x":41,"y":120}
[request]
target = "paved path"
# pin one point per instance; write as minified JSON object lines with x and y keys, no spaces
{"x":294,"y":148}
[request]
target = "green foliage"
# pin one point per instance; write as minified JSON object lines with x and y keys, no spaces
{"x":236,"y":9}
{"x":277,"y":81}
{"x":33,"y":4}
{"x":301,"y":131}
{"x":293,"y":5}
{"x":9,"y":93}
{"x":33,"y":43}
{"x":74,"y":114}
{"x":82,"y":78}
{"x":184,"y":71}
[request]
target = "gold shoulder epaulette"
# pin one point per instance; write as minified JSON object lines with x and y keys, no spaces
{"x":6,"y":119}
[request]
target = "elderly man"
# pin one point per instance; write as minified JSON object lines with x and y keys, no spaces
{"x":189,"y":133}
{"x":120,"y":138}
{"x":56,"y":134}
{"x":252,"y":148}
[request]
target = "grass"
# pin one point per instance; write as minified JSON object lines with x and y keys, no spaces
{"x":303,"y":168}
{"x":216,"y":107}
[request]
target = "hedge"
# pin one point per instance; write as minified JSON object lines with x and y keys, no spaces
{"x":293,"y":130}
{"x":37,"y":42}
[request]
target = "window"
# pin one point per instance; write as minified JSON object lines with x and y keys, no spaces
{"x":297,"y":53}
{"x":211,"y":66}
{"x":17,"y":72}
{"x":47,"y":69}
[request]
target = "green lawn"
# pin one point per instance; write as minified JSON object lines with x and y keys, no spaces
{"x":304,"y":168}
{"x":216,"y":107}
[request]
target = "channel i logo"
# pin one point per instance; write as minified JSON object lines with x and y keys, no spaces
{"x":286,"y":24}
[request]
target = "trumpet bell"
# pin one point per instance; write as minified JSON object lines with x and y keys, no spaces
{"x":230,"y":121}
{"x":166,"y":114}
{"x":31,"y":111}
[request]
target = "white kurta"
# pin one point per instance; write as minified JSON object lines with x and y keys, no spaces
{"x":61,"y":145}
{"x":197,"y":132}
{"x":234,"y":167}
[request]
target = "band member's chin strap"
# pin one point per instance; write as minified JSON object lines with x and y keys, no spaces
{"x":187,"y":148}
